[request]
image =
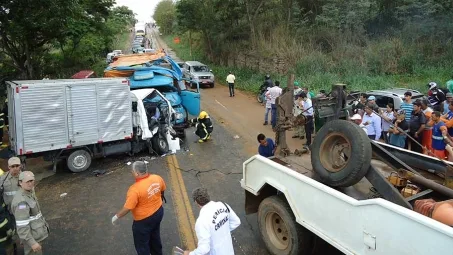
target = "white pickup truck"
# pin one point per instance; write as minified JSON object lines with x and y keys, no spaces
{"x":294,"y":206}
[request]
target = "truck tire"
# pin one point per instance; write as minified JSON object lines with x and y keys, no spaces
{"x":79,"y":161}
{"x":279,"y":230}
{"x":341,"y":153}
{"x":160,"y":144}
{"x":211,"y":85}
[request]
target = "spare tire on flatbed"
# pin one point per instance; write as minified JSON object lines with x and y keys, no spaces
{"x":341,"y":153}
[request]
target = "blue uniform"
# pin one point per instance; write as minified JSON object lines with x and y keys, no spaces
{"x":438,"y":140}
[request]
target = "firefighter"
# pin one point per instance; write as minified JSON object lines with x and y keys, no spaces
{"x":7,"y":230}
{"x":204,"y":126}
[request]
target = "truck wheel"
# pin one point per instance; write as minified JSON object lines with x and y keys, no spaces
{"x":279,"y":229}
{"x":341,"y":153}
{"x":211,"y":85}
{"x":79,"y":161}
{"x":160,"y":144}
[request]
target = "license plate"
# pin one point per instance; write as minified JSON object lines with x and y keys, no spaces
{"x":204,"y":81}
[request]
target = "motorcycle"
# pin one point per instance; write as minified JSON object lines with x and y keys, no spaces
{"x":261,"y":96}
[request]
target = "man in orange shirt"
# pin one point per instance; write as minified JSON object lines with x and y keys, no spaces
{"x":144,"y":199}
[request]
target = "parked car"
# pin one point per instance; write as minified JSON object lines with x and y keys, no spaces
{"x":135,"y":47}
{"x":180,"y":64}
{"x":198,"y":72}
{"x":153,"y":51}
{"x":109,"y":58}
{"x":394,"y":96}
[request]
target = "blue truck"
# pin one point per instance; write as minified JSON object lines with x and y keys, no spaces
{"x":165,"y":75}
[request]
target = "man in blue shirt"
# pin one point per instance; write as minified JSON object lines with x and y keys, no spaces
{"x":267,"y":146}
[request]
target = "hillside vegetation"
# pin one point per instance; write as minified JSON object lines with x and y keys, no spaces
{"x":364,"y":43}
{"x":58,"y":37}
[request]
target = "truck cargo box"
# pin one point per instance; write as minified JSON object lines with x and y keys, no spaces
{"x":46,"y":115}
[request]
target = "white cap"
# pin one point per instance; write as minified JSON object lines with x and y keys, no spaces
{"x":356,"y":117}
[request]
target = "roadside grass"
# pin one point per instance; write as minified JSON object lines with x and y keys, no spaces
{"x":320,"y":71}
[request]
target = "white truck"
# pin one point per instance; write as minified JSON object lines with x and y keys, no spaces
{"x":295,"y":206}
{"x":81,"y":119}
{"x":140,"y":29}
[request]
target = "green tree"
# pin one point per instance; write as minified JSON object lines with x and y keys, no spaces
{"x":88,"y":17}
{"x":28,"y":27}
{"x":165,"y":16}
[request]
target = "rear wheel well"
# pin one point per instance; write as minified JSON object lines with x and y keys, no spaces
{"x":252,"y":202}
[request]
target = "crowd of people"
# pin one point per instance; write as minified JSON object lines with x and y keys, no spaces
{"x":303,"y":112}
{"x":424,"y":125}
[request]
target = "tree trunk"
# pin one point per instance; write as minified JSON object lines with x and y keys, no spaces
{"x":251,"y":19}
{"x":190,"y":44}
{"x":28,"y":62}
{"x":290,"y":9}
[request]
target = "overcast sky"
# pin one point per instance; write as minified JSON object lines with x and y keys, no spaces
{"x":143,"y":8}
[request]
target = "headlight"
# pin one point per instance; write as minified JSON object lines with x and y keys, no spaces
{"x":212,"y":77}
{"x":179,"y":116}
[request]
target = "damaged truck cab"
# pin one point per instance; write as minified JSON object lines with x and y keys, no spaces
{"x":160,"y":72}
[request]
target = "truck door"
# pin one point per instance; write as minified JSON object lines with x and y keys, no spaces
{"x":82,"y":116}
{"x":191,"y":101}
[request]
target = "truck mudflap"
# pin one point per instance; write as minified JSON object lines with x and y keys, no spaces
{"x":373,"y":226}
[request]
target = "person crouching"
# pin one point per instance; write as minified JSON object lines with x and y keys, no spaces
{"x":204,"y":126}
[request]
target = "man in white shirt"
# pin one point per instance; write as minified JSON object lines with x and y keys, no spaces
{"x":372,"y":122}
{"x":268,"y":108}
{"x":308,"y":113}
{"x":357,"y":119}
{"x":213,"y":226}
{"x":273,"y":93}
{"x":230,"y":79}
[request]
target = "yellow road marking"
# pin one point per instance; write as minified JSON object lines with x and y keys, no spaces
{"x":181,"y":203}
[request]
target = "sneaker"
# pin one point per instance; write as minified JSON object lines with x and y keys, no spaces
{"x":209,"y":137}
{"x":200,"y":141}
{"x":265,"y":123}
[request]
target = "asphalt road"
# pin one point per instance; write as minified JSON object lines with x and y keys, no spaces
{"x":80,"y":221}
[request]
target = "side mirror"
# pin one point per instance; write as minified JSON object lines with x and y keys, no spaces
{"x":210,"y":70}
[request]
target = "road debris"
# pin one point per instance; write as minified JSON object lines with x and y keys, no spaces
{"x":99,"y":172}
{"x":236,"y":137}
{"x":63,"y":194}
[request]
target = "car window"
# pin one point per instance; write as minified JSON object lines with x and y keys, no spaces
{"x":200,"y":69}
{"x":382,"y":101}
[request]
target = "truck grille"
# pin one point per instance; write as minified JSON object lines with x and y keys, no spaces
{"x":205,"y":77}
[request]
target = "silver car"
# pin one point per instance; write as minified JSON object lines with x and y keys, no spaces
{"x":198,"y":72}
{"x":394,"y":96}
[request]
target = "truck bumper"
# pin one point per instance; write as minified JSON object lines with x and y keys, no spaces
{"x":181,"y":129}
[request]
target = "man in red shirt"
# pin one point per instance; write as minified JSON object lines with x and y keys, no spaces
{"x":144,"y":200}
